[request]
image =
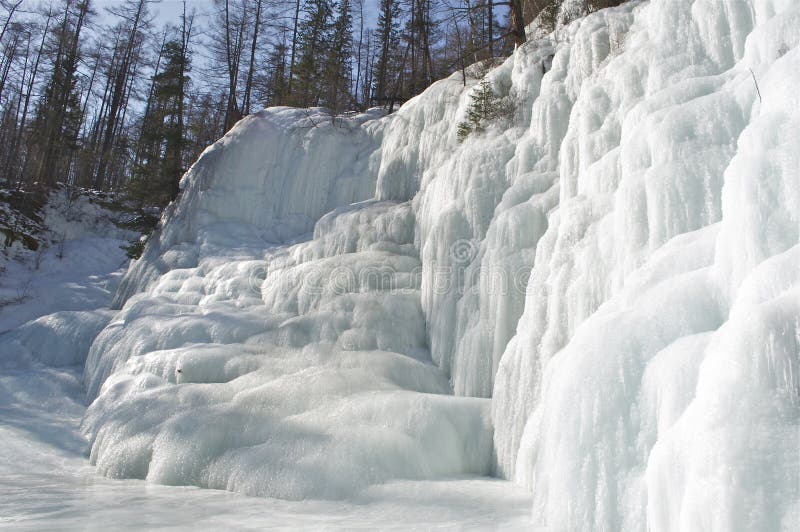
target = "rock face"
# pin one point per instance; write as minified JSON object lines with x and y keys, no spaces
{"x":597,"y":297}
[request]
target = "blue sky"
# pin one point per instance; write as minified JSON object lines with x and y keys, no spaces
{"x":169,"y":11}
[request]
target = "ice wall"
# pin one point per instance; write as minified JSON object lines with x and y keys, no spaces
{"x":612,"y":402}
{"x":615,"y":188}
{"x":615,"y":265}
{"x":264,"y":174}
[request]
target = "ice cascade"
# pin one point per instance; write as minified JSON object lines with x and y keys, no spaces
{"x":598,"y":297}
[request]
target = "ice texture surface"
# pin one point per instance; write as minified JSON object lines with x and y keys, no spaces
{"x":289,"y":371}
{"x":47,"y":483}
{"x":597,"y":297}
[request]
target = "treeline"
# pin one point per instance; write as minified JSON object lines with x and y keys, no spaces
{"x":97,"y":102}
{"x":116,"y":100}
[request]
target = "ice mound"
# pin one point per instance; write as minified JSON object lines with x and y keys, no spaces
{"x":289,"y":371}
{"x":59,"y":339}
{"x":615,"y":265}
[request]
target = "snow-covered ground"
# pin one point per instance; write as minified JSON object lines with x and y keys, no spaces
{"x":85,"y":278}
{"x":77,"y":265}
{"x":597,"y":297}
{"x":46,"y":483}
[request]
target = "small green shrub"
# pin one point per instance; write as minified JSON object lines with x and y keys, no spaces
{"x":135,"y":248}
{"x":484,"y":107}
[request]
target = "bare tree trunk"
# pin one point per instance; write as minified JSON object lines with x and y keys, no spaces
{"x":11,"y":11}
{"x":248,"y":87}
{"x":85,"y":105}
{"x":115,"y":178}
{"x":357,"y":84}
{"x":31,"y":84}
{"x":292,"y":59}
{"x":490,"y":14}
{"x":116,"y":99}
{"x":49,"y":170}
{"x":186,"y":35}
{"x":518,"y":22}
{"x":8,"y":58}
{"x":369,"y":69}
{"x":428,"y":71}
{"x":10,"y":172}
{"x":398,"y":82}
{"x":148,"y":104}
{"x":233,"y":53}
{"x":104,"y":102}
{"x":461,"y":53}
{"x":16,"y":107}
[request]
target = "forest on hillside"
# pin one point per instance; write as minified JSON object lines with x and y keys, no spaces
{"x":112,"y":98}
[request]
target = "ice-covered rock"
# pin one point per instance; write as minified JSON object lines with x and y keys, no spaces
{"x":615,"y":265}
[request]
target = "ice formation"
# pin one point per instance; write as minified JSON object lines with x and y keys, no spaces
{"x":598,"y":299}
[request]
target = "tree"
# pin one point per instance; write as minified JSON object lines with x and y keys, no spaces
{"x":517,"y":19}
{"x":293,"y":56}
{"x":105,"y":106}
{"x":484,"y":106}
{"x":234,"y":44}
{"x":162,"y":143}
{"x":418,"y":30}
{"x":58,"y":117}
{"x":12,"y":8}
{"x":338,"y":64}
{"x":136,"y":12}
{"x":313,"y":47}
{"x":276,"y":87}
{"x":205,"y":121}
{"x":248,"y":87}
{"x":387,"y":35}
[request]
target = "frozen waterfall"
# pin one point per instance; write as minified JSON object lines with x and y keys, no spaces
{"x":598,"y":298}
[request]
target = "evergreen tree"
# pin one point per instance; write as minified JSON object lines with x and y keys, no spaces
{"x":162,"y":142}
{"x":313,"y":48}
{"x":340,"y":55}
{"x":58,"y":116}
{"x":484,"y":106}
{"x":277,"y":83}
{"x":387,"y":34}
{"x":205,"y":122}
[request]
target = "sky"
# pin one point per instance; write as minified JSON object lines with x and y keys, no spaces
{"x":169,"y":11}
{"x":166,"y":11}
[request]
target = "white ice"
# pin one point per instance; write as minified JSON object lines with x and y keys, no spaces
{"x":47,"y":483}
{"x":597,"y":298}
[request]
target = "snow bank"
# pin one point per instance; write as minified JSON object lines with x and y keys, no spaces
{"x":615,"y":266}
{"x":75,"y":265}
{"x":59,"y":339}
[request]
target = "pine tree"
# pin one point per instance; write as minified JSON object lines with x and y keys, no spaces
{"x":340,"y":55}
{"x":277,"y":83}
{"x":58,"y":116}
{"x":387,"y":35}
{"x":162,"y":142}
{"x":483,"y":106}
{"x":313,"y":48}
